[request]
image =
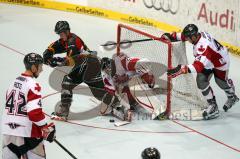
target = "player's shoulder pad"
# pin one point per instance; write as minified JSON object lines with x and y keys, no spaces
{"x":34,"y":86}
{"x":201,"y":46}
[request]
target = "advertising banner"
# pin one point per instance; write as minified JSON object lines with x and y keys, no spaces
{"x":216,"y":17}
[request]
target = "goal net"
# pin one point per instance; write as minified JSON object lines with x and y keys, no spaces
{"x":180,"y":96}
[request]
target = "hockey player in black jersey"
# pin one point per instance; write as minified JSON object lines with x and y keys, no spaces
{"x":85,"y":68}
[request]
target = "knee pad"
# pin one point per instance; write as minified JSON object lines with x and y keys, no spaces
{"x":202,"y":81}
{"x":67,"y":83}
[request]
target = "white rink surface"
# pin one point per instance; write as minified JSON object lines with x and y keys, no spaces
{"x":31,"y":29}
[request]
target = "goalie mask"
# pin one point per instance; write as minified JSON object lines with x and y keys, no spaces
{"x":106,"y":64}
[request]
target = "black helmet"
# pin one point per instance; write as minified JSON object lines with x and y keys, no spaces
{"x":190,"y":30}
{"x":32,"y":59}
{"x":106,"y":63}
{"x":151,"y":153}
{"x":61,"y":26}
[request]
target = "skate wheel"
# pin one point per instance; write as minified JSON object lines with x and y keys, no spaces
{"x":205,"y":115}
{"x":225,"y":108}
{"x":111,"y":120}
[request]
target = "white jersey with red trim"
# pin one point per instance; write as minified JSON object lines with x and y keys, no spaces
{"x":130,"y":65}
{"x":208,"y":53}
{"x":23,"y":115}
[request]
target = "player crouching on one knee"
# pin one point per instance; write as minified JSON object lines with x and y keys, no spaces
{"x":24,"y":125}
{"x":79,"y":58}
{"x":117,"y":73}
{"x":211,"y":58}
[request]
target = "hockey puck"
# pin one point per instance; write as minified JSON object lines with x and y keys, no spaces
{"x":111,"y":120}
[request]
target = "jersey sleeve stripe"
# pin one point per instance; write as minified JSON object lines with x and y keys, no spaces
{"x":192,"y":68}
{"x":79,"y":44}
{"x":214,"y":57}
{"x":198,"y":67}
{"x":32,"y":96}
{"x":37,"y":117}
{"x":34,"y":104}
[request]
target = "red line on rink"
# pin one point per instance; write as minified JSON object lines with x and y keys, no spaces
{"x":177,"y":122}
{"x":206,"y":136}
{"x":11,"y":49}
{"x":123,"y":130}
{"x":127,"y":130}
{"x":16,"y":51}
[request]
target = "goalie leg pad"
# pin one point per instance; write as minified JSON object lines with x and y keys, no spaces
{"x":15,"y":146}
{"x":122,"y":113}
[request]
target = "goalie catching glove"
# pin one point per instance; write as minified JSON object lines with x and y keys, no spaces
{"x":180,"y":69}
{"x":49,"y":132}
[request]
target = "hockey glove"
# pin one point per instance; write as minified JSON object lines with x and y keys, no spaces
{"x":49,"y":132}
{"x":57,"y":61}
{"x":180,"y":69}
{"x":166,"y":36}
{"x":94,"y":53}
{"x":169,"y":37}
{"x":47,"y":55}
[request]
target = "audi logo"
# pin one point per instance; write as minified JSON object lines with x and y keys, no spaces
{"x":171,"y":6}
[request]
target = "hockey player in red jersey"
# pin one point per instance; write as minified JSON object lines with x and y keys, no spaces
{"x":125,"y":68}
{"x":24,"y":125}
{"x":211,"y":58}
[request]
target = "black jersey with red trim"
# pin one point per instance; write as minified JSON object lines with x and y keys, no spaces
{"x":73,"y":46}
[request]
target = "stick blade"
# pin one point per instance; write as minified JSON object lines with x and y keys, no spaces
{"x":121,"y":123}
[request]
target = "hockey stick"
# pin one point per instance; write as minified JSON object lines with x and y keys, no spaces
{"x":66,"y":150}
{"x":129,"y":41}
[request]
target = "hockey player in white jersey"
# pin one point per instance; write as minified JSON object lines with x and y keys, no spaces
{"x":211,"y":58}
{"x":125,"y":68}
{"x":24,"y":125}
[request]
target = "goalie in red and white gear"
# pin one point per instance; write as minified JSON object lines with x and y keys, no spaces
{"x":128,"y":67}
{"x":211,"y":58}
{"x":125,"y":69}
{"x":24,"y":125}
